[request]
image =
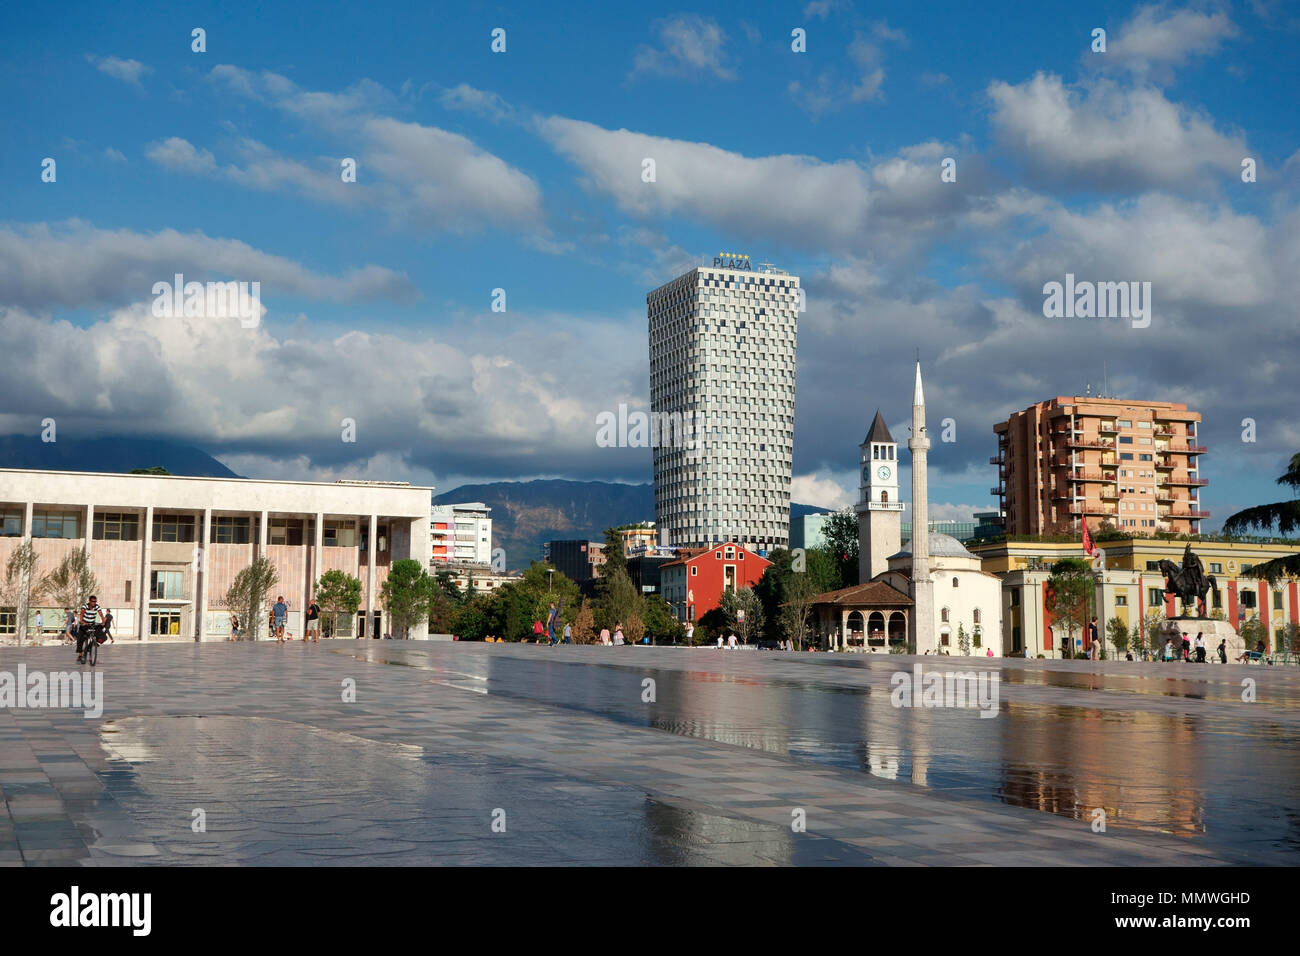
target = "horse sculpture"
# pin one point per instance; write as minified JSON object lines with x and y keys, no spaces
{"x":1189,"y":581}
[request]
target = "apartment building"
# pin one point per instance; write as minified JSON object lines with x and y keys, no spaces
{"x":460,"y":534}
{"x":1133,"y":465}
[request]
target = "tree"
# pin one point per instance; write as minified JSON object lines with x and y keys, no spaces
{"x":1287,"y":639}
{"x":21,"y":585}
{"x":841,"y":534}
{"x":1252,"y":632}
{"x":615,"y":559}
{"x":407,"y":594}
{"x":473,"y":621}
{"x":660,"y":624}
{"x":1070,"y":590}
{"x":73,"y":581}
{"x":617,"y":600}
{"x":633,"y":628}
{"x":1284,"y":514}
{"x":963,"y":640}
{"x":584,"y":625}
{"x":744,"y":599}
{"x":1117,"y":634}
{"x":786,"y":593}
{"x":339,"y":595}
{"x":795,"y":615}
{"x":246,"y":596}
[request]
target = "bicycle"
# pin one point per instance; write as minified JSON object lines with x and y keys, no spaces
{"x":90,"y":653}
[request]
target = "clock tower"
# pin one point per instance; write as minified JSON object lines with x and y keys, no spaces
{"x":880,"y":512}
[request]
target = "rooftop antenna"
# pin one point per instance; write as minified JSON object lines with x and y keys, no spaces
{"x":766,"y":266}
{"x":1087,"y":391}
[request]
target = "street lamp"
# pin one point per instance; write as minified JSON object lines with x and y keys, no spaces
{"x":550,"y":576}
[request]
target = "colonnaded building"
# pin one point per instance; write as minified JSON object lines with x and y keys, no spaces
{"x":165,"y":549}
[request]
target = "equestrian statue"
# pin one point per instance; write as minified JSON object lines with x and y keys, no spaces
{"x":1189,"y":582}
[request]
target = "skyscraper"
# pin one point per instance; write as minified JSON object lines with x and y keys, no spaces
{"x":722,"y":371}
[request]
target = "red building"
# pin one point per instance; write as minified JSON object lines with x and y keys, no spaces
{"x":693,"y":585}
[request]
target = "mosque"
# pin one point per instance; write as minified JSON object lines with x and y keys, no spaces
{"x":931,"y":592}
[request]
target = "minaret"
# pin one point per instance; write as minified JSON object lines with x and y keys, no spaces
{"x":922,"y":588}
{"x":880,"y":512}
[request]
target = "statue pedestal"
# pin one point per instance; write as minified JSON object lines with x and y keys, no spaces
{"x":1213,"y":631}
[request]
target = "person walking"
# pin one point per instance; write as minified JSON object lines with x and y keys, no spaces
{"x":1200,"y":648}
{"x":1187,"y":648}
{"x":313,"y":622}
{"x":40,"y":625}
{"x":568,"y":633}
{"x":618,"y":634}
{"x":537,"y":631}
{"x":234,"y":627}
{"x":604,"y":635}
{"x":690,"y":632}
{"x":719,"y":642}
{"x":1223,"y":651}
{"x":279,"y":617}
{"x":1092,"y":639}
{"x":1169,"y":649}
{"x":550,"y":626}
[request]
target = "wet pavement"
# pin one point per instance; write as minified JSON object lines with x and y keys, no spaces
{"x":221,"y":753}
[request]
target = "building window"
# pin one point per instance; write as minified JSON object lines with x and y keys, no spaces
{"x":1248,"y":599}
{"x":1015,"y":598}
{"x":1218,"y":598}
{"x":1153,"y":565}
{"x":117,"y":527}
{"x":1216,"y":567}
{"x":284,"y":531}
{"x":977,"y":615}
{"x":943,"y":615}
{"x":1121,"y":600}
{"x":339,"y":534}
{"x":694,"y":570}
{"x":175,"y":527}
{"x":166,"y":586}
{"x":54,"y":524}
{"x":231,"y":529}
{"x":1155,"y":596}
{"x":954,"y":582}
{"x":1277,"y":600}
{"x":11,"y":524}
{"x":9,"y":621}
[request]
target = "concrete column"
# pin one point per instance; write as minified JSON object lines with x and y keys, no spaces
{"x":372,"y":545}
{"x":24,"y":610}
{"x":89,"y":535}
{"x":204,"y":545}
{"x":146,"y":561}
{"x":317,"y":566}
{"x":263,"y":536}
{"x":420,"y":548}
{"x":304,"y":581}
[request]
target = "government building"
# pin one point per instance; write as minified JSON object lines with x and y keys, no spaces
{"x":722,"y":363}
{"x":165,"y":549}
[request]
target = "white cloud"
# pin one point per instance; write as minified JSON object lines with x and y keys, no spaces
{"x":690,"y":46}
{"x":484,"y":103}
{"x":1157,"y":39}
{"x":128,"y":71}
{"x":75,"y":265}
{"x":1104,"y":135}
{"x":821,"y":490}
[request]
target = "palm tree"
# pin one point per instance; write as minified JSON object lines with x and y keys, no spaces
{"x":1285,"y":514}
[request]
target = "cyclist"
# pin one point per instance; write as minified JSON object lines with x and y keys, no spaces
{"x":88,"y":615}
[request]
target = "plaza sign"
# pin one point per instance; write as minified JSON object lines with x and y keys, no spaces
{"x":732,"y":260}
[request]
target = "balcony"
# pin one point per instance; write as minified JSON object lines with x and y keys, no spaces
{"x":995,"y":460}
{"x":997,"y":492}
{"x":1089,"y":476}
{"x":1109,"y":494}
{"x":1109,"y":464}
{"x":1089,"y":441}
{"x":1084,"y":508}
{"x":1185,"y":448}
{"x":1186,"y":480}
{"x":1164,"y":464}
{"x":1186,"y":513}
{"x":1107,"y":428}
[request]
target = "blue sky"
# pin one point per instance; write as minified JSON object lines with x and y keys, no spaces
{"x":521,"y":170}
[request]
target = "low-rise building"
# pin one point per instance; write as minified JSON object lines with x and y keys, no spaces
{"x":578,"y":560}
{"x":694,"y":582}
{"x":165,"y":549}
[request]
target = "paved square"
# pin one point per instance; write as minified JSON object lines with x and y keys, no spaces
{"x":558,"y":748}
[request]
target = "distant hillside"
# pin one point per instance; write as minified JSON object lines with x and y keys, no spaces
{"x":108,"y":454}
{"x":526,"y":514}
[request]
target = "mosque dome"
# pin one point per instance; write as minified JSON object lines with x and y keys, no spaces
{"x":941,"y":546}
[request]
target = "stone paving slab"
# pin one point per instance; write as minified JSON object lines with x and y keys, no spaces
{"x":259,"y":737}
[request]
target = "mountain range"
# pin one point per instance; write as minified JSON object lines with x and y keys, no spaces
{"x":525,"y":514}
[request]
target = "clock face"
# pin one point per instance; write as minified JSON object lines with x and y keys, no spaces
{"x":883,"y":472}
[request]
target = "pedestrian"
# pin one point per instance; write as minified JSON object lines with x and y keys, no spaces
{"x":1223,"y":651}
{"x":1169,"y":649}
{"x":40,"y":625}
{"x":69,"y":622}
{"x":234,"y":627}
{"x":1200,"y":648}
{"x":1187,"y":648}
{"x":604,"y":635}
{"x":312,"y":628}
{"x":550,"y":626}
{"x":618,"y":634}
{"x":279,"y":616}
{"x":731,"y":641}
{"x":719,"y":642}
{"x":537,"y":631}
{"x":1092,"y":638}
{"x":568,"y":633}
{"x":990,"y":652}
{"x":690,"y":632}
{"x":1128,"y":656}
{"x":108,"y":625}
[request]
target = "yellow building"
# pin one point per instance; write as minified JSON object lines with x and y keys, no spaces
{"x":1132,"y":585}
